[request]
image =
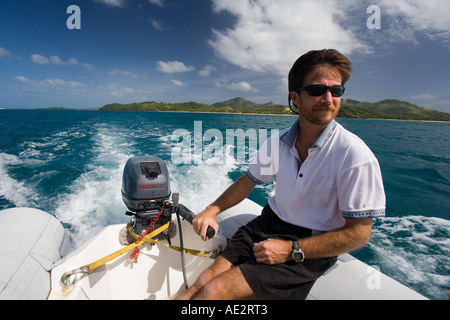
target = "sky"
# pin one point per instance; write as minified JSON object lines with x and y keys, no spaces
{"x":125,"y":51}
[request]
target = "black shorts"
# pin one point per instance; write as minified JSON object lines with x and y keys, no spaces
{"x":289,"y":280}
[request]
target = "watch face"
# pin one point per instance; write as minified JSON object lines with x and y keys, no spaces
{"x":298,"y":256}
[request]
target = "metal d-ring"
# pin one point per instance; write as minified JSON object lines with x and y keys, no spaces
{"x":70,"y":278}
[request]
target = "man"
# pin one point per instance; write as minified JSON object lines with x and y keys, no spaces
{"x":328,"y":189}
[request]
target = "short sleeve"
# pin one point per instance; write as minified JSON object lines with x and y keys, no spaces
{"x":361,"y":192}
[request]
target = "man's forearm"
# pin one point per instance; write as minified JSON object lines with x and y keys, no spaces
{"x":237,"y":192}
{"x":354,"y":235}
{"x":347,"y":239}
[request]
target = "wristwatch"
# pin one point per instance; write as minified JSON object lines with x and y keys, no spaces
{"x":297,"y":253}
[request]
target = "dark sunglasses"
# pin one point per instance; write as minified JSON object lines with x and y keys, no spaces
{"x":316,"y":90}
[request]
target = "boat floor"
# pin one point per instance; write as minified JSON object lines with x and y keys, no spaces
{"x":158,"y":273}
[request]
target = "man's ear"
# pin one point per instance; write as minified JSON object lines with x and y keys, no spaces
{"x":295,"y":97}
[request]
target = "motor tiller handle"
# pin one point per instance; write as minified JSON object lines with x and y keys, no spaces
{"x":188,"y":215}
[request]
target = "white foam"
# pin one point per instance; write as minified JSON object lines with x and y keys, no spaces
{"x":415,"y":250}
{"x":200,"y":184}
{"x":200,"y":177}
{"x":94,"y":200}
{"x":12,"y":190}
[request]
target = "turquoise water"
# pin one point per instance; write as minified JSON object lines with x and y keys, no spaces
{"x":69,"y":163}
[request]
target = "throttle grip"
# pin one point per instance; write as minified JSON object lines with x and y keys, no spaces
{"x":210,"y":232}
{"x":188,"y":215}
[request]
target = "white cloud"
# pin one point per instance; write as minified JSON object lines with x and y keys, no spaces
{"x":125,"y":73}
{"x":114,"y":3}
{"x":37,"y":58}
{"x":423,"y":96}
{"x":55,"y":82}
{"x":123,"y":93}
{"x":120,"y":3}
{"x":236,"y":86}
{"x":157,"y":25}
{"x":409,"y":16}
{"x":88,"y":66}
{"x":56,"y":60}
{"x":127,"y":90}
{"x":271,"y":35}
{"x":157,"y":2}
{"x":59,"y":82}
{"x":206,"y":71}
{"x":179,"y":83}
{"x":26,"y":80}
{"x":173,"y":67}
{"x":268,"y":36}
{"x":4,"y":52}
{"x":242,"y":86}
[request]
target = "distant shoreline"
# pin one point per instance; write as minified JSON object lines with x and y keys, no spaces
{"x":388,"y":109}
{"x":267,"y":114}
{"x":218,"y":112}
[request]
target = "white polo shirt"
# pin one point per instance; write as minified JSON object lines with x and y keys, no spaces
{"x":340,"y":179}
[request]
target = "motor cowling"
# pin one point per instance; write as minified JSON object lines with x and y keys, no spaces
{"x":145,"y":183}
{"x":146,"y":193}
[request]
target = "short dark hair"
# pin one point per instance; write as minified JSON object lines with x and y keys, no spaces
{"x":317,"y":58}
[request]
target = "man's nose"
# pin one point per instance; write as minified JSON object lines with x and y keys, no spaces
{"x":327,"y":96}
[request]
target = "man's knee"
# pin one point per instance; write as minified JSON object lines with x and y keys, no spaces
{"x":212,"y":290}
{"x":227,"y":285}
{"x":219,"y":266}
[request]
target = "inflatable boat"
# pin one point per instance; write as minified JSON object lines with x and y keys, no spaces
{"x":155,"y":256}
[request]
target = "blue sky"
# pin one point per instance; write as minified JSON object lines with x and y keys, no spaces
{"x":214,"y":50}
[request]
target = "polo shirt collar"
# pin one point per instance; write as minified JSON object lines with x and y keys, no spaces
{"x":291,"y":135}
{"x":326,"y":134}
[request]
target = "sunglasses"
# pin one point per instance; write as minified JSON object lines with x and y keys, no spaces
{"x":316,"y":90}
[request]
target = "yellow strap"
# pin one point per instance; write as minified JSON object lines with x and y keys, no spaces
{"x":194,"y":252}
{"x":116,"y":254}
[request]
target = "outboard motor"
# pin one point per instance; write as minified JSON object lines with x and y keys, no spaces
{"x":146,"y":192}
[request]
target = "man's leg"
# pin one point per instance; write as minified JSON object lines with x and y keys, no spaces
{"x":221,"y":281}
{"x":220,"y":265}
{"x":228,"y":285}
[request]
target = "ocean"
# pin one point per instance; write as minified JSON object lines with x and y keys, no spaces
{"x":69,"y":163}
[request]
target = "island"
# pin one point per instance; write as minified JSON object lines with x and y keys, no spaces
{"x":385,"y":109}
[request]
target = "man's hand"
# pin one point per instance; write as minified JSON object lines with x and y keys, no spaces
{"x":235,"y":193}
{"x":273,"y":251}
{"x":203,"y":220}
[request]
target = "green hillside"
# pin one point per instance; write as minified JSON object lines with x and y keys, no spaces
{"x":237,"y":105}
{"x":390,"y":109}
{"x":160,"y":106}
{"x":386,"y":109}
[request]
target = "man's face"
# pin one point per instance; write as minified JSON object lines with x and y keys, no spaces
{"x":323,"y":109}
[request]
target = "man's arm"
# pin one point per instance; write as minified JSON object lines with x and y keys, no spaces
{"x":237,"y":192}
{"x":352,"y":236}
